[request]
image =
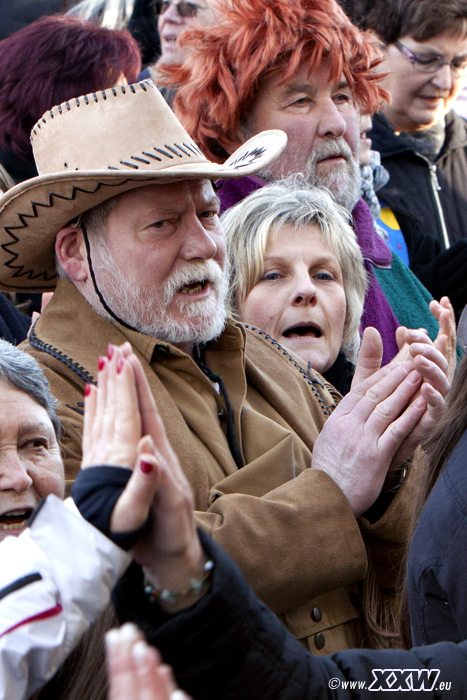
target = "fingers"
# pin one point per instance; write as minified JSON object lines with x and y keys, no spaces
{"x":46,"y":298}
{"x":112,"y":418}
{"x":386,"y":409}
{"x":147,"y":406}
{"x":378,"y":392}
{"x":90,"y":407}
{"x":446,"y":341}
{"x":151,"y":421}
{"x":435,"y":404}
{"x":120,"y":665}
{"x":437,"y":308}
{"x":127,"y":428}
{"x":400,"y":430}
{"x":370,"y":355}
{"x":132,"y":508}
{"x":426,"y":363}
{"x":400,"y":336}
{"x":136,"y":670}
{"x":405,"y":337}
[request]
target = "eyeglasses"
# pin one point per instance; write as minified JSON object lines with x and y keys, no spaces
{"x":184,"y":9}
{"x":431,"y":63}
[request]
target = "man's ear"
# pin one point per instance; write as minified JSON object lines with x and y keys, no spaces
{"x":71,"y":253}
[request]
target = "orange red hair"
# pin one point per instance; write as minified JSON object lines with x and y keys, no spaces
{"x":254,"y":39}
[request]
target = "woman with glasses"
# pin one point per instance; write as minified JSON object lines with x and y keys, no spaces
{"x":422,"y":141}
{"x":173,"y":18}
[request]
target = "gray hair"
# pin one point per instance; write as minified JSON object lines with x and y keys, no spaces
{"x":21,"y":371}
{"x":291,"y":202}
{"x":94,"y":219}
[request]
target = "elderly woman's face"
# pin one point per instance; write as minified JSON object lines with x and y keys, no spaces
{"x":419,"y":99}
{"x":30,"y":463}
{"x":300,"y":298}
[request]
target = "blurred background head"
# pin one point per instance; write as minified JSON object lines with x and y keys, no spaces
{"x":176,"y":16}
{"x":51,"y":61}
{"x":426,"y":57}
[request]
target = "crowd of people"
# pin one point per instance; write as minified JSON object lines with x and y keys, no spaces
{"x":232,"y":408}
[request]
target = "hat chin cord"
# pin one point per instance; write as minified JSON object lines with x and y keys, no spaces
{"x":96,"y":288}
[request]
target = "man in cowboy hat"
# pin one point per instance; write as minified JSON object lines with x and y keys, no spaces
{"x":125,"y":208}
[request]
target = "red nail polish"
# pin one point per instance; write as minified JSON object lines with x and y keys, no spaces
{"x":87,"y":389}
{"x":110,"y":351}
{"x":119,"y":365}
{"x":146,"y":467}
{"x":101,"y":363}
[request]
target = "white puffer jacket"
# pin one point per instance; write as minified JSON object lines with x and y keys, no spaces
{"x":55,"y":579}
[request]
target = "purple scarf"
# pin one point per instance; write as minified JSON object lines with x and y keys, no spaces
{"x":377,"y":312}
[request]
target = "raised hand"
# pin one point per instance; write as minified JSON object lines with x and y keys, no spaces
{"x":446,"y":341}
{"x":135,"y":669}
{"x":360,"y":439}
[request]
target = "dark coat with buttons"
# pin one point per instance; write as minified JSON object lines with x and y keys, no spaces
{"x":290,"y":528}
{"x":437,"y":565}
{"x":411,"y":195}
{"x":229,"y":646}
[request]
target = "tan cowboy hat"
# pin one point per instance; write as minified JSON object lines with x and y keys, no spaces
{"x":92,"y":148}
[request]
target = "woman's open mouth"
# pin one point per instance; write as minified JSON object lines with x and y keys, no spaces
{"x":305,"y":330}
{"x":15,"y":519}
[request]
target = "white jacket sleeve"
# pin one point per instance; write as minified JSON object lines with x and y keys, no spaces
{"x":55,"y":579}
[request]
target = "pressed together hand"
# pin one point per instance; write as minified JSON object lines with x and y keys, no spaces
{"x":122,"y":427}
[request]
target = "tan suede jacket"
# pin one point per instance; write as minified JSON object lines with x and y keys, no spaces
{"x":289,"y":527}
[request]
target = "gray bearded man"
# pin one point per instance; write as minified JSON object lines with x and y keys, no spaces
{"x":309,"y":72}
{"x":124,"y":206}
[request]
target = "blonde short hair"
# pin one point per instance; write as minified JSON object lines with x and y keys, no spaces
{"x":250,"y":224}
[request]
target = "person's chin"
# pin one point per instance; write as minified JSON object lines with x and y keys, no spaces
{"x":308,"y":350}
{"x":171,"y":53}
{"x":11,"y":533}
{"x":430,"y":111}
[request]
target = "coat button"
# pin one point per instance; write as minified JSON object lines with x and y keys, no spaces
{"x":320,"y":641}
{"x":316,"y":614}
{"x":163,"y":350}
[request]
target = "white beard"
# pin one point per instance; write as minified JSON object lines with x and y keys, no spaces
{"x":342,"y":181}
{"x":147,"y":310}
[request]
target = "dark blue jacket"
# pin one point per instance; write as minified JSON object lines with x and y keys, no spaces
{"x":230,"y":646}
{"x":14,"y":325}
{"x":413,"y":196}
{"x":437,"y":566}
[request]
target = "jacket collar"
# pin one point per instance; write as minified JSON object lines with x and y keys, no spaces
{"x":388,"y":143}
{"x":72,"y":327}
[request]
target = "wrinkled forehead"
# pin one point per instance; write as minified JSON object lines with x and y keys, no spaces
{"x":183,"y":192}
{"x":19,"y":410}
